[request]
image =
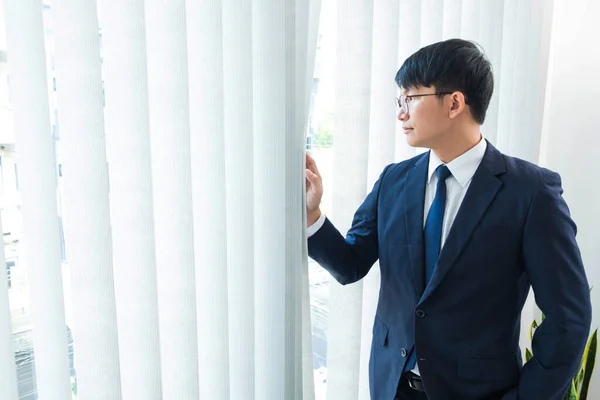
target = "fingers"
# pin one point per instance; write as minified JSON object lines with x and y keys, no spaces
{"x":309,"y":161}
{"x":312,"y":180}
{"x":311,"y":176}
{"x":312,"y":165}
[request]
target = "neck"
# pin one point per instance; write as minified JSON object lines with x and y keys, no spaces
{"x":457,"y":144}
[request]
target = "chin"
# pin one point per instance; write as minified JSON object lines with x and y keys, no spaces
{"x":413,"y":142}
{"x":419,"y":142}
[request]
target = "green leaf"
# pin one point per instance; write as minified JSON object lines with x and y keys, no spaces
{"x":579,"y":378}
{"x":531,"y":328}
{"x":543,"y":317}
{"x":528,"y":355}
{"x":589,"y":357}
{"x":571,"y":394}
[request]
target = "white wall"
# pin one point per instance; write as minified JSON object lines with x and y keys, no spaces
{"x":571,"y":133}
{"x":6,"y":130}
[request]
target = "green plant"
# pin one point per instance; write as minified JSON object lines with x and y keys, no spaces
{"x":581,"y":382}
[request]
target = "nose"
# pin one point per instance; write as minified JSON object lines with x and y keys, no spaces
{"x":402,"y":116}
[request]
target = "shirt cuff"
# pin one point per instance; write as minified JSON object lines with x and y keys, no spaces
{"x":311,"y":230}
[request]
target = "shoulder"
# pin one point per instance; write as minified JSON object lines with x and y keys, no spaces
{"x":527,"y":175}
{"x":527,"y":186}
{"x":397,"y":171}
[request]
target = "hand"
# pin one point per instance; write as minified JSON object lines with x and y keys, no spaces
{"x":314,"y":191}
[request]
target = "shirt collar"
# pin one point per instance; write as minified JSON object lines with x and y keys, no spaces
{"x":462,"y":167}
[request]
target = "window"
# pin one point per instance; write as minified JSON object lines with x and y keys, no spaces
{"x":9,"y":265}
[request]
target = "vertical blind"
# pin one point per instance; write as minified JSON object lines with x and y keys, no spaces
{"x":182,"y":130}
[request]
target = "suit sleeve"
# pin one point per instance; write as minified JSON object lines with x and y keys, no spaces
{"x":555,"y":269}
{"x":349,"y":259}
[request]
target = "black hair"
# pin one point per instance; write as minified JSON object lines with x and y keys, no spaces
{"x":452,"y":65}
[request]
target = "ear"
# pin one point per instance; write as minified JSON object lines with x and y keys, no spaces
{"x":456,"y":104}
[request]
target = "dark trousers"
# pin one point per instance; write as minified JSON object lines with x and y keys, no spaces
{"x":405,"y":392}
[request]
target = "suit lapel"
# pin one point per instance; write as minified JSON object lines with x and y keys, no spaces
{"x":414,"y":196}
{"x":482,"y":191}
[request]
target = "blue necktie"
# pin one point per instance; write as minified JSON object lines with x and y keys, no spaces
{"x":434,"y":223}
{"x":433,"y":237}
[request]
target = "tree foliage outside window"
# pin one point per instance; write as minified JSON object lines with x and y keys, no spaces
{"x":324,"y":135}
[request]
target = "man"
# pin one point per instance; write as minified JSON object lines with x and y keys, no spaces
{"x":461,"y":233}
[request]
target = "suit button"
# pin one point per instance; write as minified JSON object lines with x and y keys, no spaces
{"x":420,"y":313}
{"x":403,"y":352}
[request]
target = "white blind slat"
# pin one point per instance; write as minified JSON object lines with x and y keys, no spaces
{"x":505,"y":76}
{"x":432,"y":21}
{"x":86,"y":206}
{"x":304,"y":343}
{"x":131,"y":204}
{"x":239,"y":184}
{"x":381,"y":151}
{"x":274,"y":99}
{"x":470,"y":19}
{"x":206,"y":97}
{"x":490,"y":38}
{"x":350,"y":171}
{"x":166,"y":52}
{"x":409,"y":41}
{"x":452,"y":16}
{"x":37,"y":186}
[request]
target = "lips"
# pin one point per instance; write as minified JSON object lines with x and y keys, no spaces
{"x":407,"y":130}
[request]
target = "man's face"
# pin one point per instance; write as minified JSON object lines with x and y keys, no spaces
{"x":427,"y":117}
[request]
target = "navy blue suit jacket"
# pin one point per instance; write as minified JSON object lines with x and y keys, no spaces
{"x":513,"y":231}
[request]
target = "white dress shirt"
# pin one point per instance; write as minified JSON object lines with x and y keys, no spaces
{"x":462,"y":168}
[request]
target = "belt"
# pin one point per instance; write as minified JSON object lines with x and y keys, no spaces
{"x":414,"y":381}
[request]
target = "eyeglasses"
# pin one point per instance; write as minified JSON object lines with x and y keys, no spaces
{"x":404,"y":100}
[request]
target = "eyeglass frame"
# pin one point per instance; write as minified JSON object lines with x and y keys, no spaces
{"x":410,"y":97}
